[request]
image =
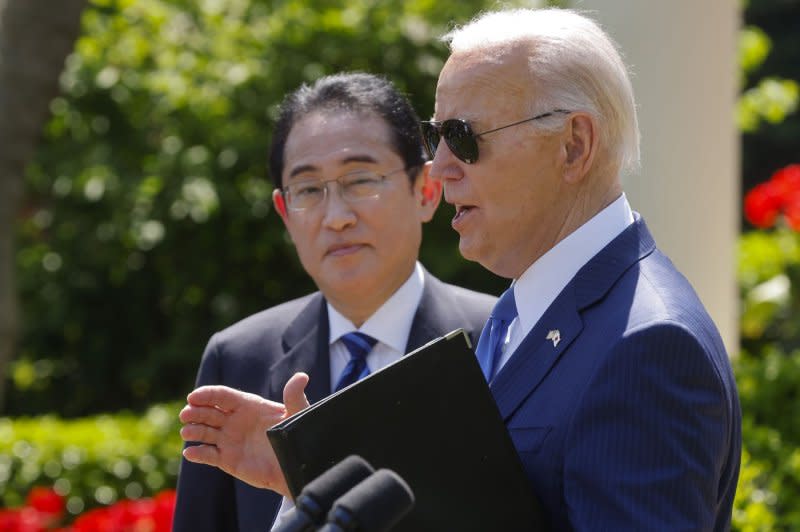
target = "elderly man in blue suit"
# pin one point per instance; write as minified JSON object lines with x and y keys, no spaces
{"x":611,"y":377}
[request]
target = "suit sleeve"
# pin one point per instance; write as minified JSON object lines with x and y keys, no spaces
{"x":206,"y":499}
{"x":648,"y":443}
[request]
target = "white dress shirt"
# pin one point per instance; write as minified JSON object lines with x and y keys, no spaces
{"x":390,"y":325}
{"x":543,"y":281}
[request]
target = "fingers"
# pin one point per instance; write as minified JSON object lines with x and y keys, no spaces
{"x":200,"y":433}
{"x":293,"y":393}
{"x":222,"y":397}
{"x":210,"y":416}
{"x":228,"y":400}
{"x":202,"y":454}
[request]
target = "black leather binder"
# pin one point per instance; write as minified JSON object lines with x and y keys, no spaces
{"x":431,"y":418}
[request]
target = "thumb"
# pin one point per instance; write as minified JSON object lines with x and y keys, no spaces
{"x":294,"y":397}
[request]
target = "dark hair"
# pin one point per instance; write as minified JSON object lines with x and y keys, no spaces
{"x":352,"y":92}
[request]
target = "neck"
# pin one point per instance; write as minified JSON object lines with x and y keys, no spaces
{"x":576,"y":210}
{"x":359,"y":306}
{"x":584,"y":207}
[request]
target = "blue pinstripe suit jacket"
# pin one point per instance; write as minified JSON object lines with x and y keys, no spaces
{"x":632,"y":421}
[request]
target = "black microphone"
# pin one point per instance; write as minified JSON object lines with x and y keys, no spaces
{"x":374,"y":505}
{"x":317,"y":497}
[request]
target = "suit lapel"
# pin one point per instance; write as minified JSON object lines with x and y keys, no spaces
{"x":435,"y":314}
{"x":305,"y":344}
{"x":536,"y":355}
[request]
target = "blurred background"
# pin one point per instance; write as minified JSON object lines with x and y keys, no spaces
{"x":136,"y":217}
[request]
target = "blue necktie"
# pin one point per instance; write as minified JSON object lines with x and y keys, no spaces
{"x":359,"y":345}
{"x":490,"y":344}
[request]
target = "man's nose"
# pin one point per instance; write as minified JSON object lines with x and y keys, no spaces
{"x":339,"y":214}
{"x":446,"y":166}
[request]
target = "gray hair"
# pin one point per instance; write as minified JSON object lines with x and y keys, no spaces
{"x":574,"y":65}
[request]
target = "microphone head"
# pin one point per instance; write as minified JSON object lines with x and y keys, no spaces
{"x":377,"y":503}
{"x":332,"y":484}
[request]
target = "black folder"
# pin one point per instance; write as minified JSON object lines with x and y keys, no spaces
{"x":431,"y":418}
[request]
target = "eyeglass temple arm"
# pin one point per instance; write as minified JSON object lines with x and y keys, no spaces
{"x":537,"y":117}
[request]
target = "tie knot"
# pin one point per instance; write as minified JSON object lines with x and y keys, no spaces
{"x":506,"y":308}
{"x":358,"y":343}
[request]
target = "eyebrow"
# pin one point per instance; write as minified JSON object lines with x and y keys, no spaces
{"x":347,"y":160}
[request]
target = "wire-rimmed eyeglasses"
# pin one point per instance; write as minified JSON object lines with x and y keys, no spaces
{"x":353,"y":187}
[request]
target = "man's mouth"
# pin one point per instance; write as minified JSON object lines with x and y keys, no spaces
{"x":461,"y":211}
{"x":340,"y":250}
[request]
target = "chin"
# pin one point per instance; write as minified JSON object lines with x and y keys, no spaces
{"x":358,"y":275}
{"x":469,"y":250}
{"x":483,"y":256}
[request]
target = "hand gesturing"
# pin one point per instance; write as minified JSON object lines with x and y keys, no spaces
{"x":230,"y":429}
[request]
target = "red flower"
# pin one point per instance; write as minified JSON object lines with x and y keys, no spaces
{"x":140,"y":515}
{"x":165,"y":508}
{"x":791,"y":211}
{"x":787,"y":181}
{"x":45,"y":507}
{"x":763,"y":204}
{"x":97,"y":520}
{"x":46,"y":501}
{"x":134,"y":515}
{"x":9,"y":520}
{"x":23,"y":520}
{"x":779,"y":195}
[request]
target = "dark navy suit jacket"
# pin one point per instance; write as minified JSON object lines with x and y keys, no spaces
{"x":259,"y":354}
{"x":631,"y":420}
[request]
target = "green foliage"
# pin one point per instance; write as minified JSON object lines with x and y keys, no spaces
{"x":768,"y":496}
{"x":768,"y":379}
{"x":90,"y":461}
{"x":771,"y":99}
{"x":754,"y":47}
{"x":148,"y":221}
{"x":769,"y":280}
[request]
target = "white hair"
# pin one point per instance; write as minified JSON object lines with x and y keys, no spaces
{"x":574,"y":65}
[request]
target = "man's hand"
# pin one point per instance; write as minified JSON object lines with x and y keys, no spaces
{"x":231,"y":429}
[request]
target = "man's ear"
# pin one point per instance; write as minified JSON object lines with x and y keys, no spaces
{"x":580,"y":146}
{"x":430,"y":191}
{"x":280,"y":204}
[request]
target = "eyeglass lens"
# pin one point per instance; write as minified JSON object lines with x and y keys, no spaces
{"x":353,"y":187}
{"x":457,"y":134}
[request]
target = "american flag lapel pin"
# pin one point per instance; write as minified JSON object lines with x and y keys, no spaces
{"x":555,"y":336}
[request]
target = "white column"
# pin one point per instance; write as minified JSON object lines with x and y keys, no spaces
{"x":683,"y":59}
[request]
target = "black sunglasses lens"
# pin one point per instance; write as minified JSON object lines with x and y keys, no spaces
{"x":430,"y":139}
{"x":460,"y":140}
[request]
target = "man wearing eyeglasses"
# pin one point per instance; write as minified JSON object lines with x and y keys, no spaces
{"x":353,"y":190}
{"x":611,"y":377}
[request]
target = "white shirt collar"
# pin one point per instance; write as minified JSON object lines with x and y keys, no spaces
{"x":540,"y":284}
{"x":391,"y":323}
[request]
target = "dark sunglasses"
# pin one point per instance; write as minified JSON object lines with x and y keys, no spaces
{"x":460,"y":138}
